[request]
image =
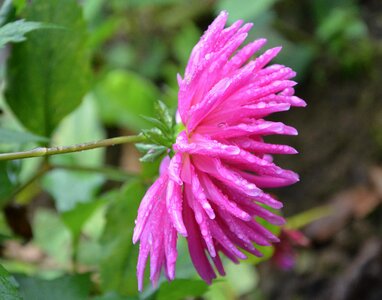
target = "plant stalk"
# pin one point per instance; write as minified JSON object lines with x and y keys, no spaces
{"x":45,"y":151}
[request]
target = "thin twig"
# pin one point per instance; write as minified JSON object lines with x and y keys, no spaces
{"x":44,"y":169}
{"x":44,"y":151}
{"x":111,"y":173}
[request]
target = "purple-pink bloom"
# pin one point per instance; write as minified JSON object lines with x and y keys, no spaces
{"x":284,"y":256}
{"x":210,"y":191}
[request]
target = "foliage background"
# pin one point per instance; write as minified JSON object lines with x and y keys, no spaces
{"x":78,"y":71}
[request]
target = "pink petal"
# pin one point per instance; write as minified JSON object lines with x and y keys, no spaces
{"x":216,"y":196}
{"x":174,"y":206}
{"x":196,"y":249}
{"x":147,"y":204}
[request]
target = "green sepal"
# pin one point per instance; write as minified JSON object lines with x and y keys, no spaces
{"x":151,"y":151}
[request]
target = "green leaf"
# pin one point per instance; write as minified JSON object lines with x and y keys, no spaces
{"x":71,"y":187}
{"x":52,"y":236}
{"x":184,"y":41}
{"x":152,"y":155}
{"x":9,"y":136}
{"x":253,"y":9}
{"x":69,"y":287}
{"x":114,"y":296}
{"x":241,"y":279}
{"x":119,"y":254}
{"x":158,"y":124}
{"x":52,"y":67}
{"x":154,"y":135}
{"x":123,"y":97}
{"x":181,"y":288}
{"x":164,"y":114}
{"x":9,"y":288}
{"x":6,"y":11}
{"x":76,"y":218}
{"x":9,"y":171}
{"x":15,"y":31}
{"x":151,"y":151}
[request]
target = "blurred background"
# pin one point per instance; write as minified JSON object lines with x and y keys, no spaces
{"x":66,"y":223}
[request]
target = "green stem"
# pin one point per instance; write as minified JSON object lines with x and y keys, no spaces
{"x":302,"y":219}
{"x":111,"y":173}
{"x":45,"y":168}
{"x":44,"y":151}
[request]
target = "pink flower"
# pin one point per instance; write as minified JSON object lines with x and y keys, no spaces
{"x":284,"y":256}
{"x":210,"y":191}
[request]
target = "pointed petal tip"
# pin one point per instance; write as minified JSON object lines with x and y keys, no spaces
{"x":140,"y":283}
{"x":179,"y":78}
{"x":223,"y":13}
{"x":291,"y":131}
{"x":136,"y":237}
{"x":293,"y":151}
{"x":182,"y":232}
{"x":261,"y":41}
{"x":171,"y":275}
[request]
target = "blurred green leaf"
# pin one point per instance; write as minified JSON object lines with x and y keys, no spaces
{"x":81,"y":125}
{"x":68,"y":287}
{"x":297,"y":56}
{"x":102,"y":33}
{"x":9,"y":136}
{"x":240,"y":280}
{"x":6,"y":185}
{"x":150,"y":169}
{"x":342,"y":23}
{"x":92,"y":8}
{"x":51,"y":66}
{"x":323,"y":8}
{"x":89,"y":250}
{"x":181,"y":288}
{"x":76,"y":218}
{"x":71,"y":187}
{"x":52,"y":236}
{"x":248,"y":10}
{"x":6,"y":11}
{"x":184,"y":41}
{"x":123,"y":97}
{"x":114,"y":296}
{"x":138,"y":3}
{"x":19,"y":5}
{"x":9,"y":171}
{"x":306,"y":217}
{"x":9,"y":288}
{"x":15,"y":31}
{"x":119,"y":255}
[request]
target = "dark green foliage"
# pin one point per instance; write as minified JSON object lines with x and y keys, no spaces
{"x":49,"y":73}
{"x":9,"y":288}
{"x":119,"y":254}
{"x":73,"y":287}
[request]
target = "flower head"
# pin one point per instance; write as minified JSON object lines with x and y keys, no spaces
{"x":210,"y":191}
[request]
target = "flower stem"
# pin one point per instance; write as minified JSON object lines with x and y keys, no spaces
{"x":110,"y":173}
{"x":44,"y":151}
